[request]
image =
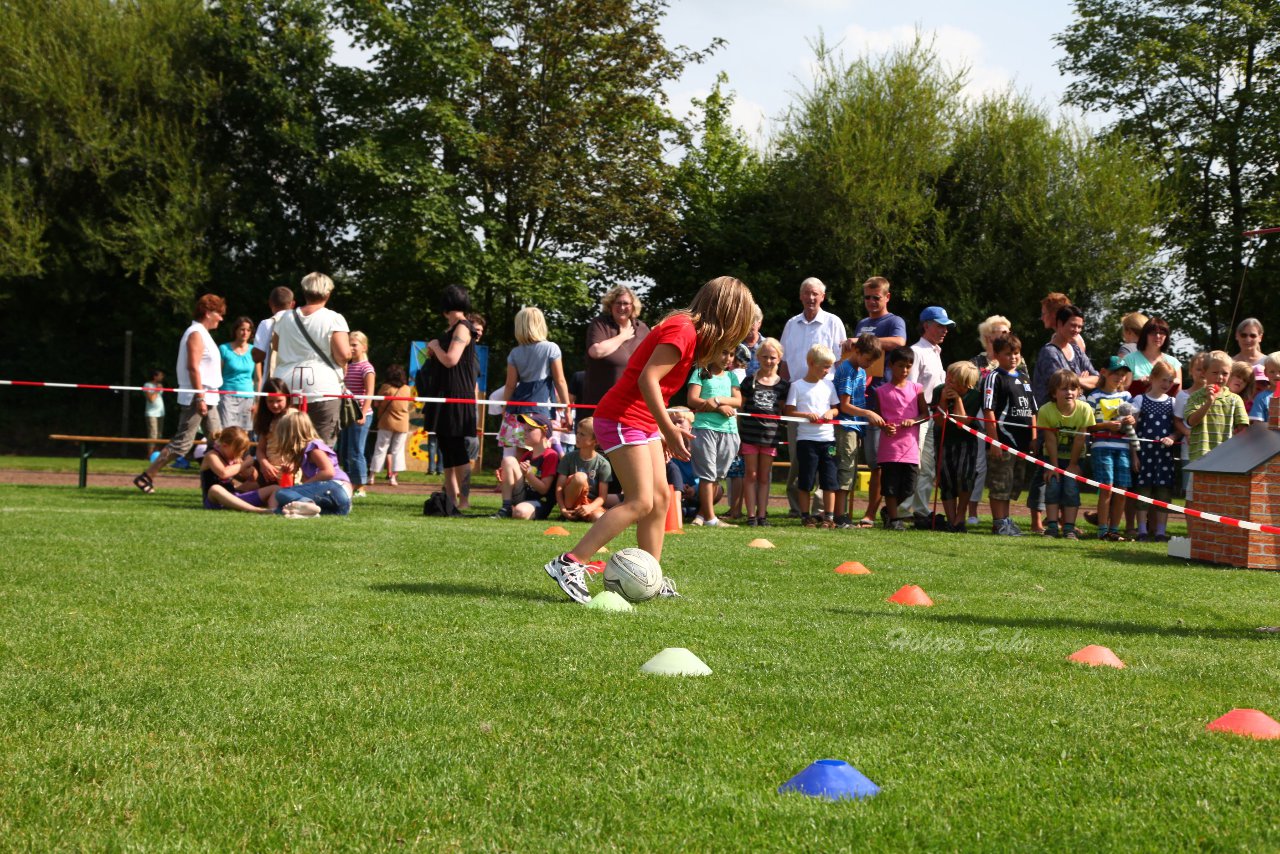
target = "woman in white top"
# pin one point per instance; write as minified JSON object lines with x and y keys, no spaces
{"x":316,"y":375}
{"x":199,"y":367}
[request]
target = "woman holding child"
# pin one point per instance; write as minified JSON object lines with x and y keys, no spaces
{"x":1152,"y":343}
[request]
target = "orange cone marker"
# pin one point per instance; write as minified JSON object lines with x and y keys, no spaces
{"x":911,"y":594}
{"x":1096,"y":656}
{"x":595,"y":567}
{"x":675,"y":517}
{"x":556,"y":531}
{"x":852,"y":567}
{"x":760,"y":543}
{"x":1250,"y":722}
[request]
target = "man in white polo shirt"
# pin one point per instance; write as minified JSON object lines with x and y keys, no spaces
{"x":811,"y":326}
{"x":929,"y":371}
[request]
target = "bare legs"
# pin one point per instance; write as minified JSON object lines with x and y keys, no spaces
{"x":641,"y":470}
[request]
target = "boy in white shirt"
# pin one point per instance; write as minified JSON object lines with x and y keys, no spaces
{"x":814,"y":398}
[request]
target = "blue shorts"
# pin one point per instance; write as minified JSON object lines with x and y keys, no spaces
{"x":1112,"y":466}
{"x":1062,"y":491}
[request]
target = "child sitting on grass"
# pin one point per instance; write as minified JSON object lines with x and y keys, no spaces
{"x":1214,"y":413}
{"x":320,"y":485}
{"x":1112,"y":463}
{"x":528,"y":480}
{"x":1065,"y":420}
{"x":901,"y":404}
{"x":1009,"y":412}
{"x":851,"y":387}
{"x":715,"y":398}
{"x":583,"y":477}
{"x":228,"y":460}
{"x":958,"y":396}
{"x":814,"y":398}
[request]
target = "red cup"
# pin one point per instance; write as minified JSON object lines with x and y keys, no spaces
{"x":286,"y":478}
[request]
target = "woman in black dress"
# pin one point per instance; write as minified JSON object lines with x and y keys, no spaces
{"x":450,"y":371}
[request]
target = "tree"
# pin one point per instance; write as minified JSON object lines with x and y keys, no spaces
{"x":1031,"y":207}
{"x":720,"y":204}
{"x":1194,"y":84}
{"x":857,"y":162}
{"x":536,"y":129}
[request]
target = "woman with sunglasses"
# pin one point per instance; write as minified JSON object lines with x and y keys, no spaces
{"x":1249,"y":338}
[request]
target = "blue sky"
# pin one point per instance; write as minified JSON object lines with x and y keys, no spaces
{"x":768,"y":54}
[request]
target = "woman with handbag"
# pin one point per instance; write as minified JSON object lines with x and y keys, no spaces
{"x":312,"y":347}
{"x":450,"y":371}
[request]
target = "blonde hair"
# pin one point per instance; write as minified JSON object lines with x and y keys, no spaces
{"x":776,"y":346}
{"x":236,"y":440}
{"x":1133,"y":322}
{"x":820,"y":355}
{"x":360,"y":338}
{"x":291,"y":435}
{"x":316,"y":287}
{"x":1218,"y":357}
{"x":877,"y":283}
{"x":1243,"y":371}
{"x":721,"y":315}
{"x":531,"y":325}
{"x":611,"y":296}
{"x":985,"y":327}
{"x":964,"y":372}
{"x":1272,"y":362}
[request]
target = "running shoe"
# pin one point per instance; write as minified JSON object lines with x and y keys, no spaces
{"x":571,"y":576}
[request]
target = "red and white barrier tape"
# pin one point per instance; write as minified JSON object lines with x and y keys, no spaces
{"x":1173,"y":508}
{"x":373,"y":397}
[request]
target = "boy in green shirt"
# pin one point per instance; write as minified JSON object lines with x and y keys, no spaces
{"x":1068,"y":420}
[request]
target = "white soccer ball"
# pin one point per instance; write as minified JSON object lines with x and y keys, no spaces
{"x":633,"y":574}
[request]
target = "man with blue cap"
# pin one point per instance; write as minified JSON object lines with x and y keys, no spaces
{"x":929,"y":371}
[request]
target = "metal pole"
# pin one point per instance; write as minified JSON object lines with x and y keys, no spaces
{"x":128,"y":371}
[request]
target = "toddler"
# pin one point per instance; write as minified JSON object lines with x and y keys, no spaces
{"x":814,"y":399}
{"x":1065,"y":420}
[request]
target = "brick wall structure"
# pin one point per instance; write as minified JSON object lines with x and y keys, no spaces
{"x":1253,"y":495}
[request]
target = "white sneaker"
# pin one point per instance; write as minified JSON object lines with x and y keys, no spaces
{"x":571,"y":576}
{"x":699,"y":521}
{"x":717,"y":522}
{"x":668,"y":589}
{"x":972,"y":520}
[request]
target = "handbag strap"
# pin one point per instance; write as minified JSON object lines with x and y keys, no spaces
{"x":297,"y":318}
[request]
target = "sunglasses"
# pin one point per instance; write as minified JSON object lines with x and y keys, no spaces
{"x":872,"y":297}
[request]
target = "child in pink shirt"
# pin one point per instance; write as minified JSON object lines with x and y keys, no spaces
{"x":901,"y":404}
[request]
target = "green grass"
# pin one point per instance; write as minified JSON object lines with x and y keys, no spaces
{"x":178,"y":679}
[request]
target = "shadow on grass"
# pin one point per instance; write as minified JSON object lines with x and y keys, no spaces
{"x":451,"y":588}
{"x":1102,"y":626}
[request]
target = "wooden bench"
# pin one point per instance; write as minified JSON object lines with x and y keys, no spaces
{"x":87,"y":443}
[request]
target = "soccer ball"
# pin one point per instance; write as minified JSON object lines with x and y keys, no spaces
{"x":633,"y":574}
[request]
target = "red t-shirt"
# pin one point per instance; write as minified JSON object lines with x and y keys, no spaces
{"x":623,"y":402}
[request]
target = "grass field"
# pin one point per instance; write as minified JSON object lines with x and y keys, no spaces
{"x":178,"y":679}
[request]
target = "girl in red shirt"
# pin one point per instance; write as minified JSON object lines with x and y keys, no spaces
{"x":631,"y":422}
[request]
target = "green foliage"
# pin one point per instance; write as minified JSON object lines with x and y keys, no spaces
{"x":1194,"y":85}
{"x":883,"y":168}
{"x":1031,"y":207}
{"x":538,"y":138}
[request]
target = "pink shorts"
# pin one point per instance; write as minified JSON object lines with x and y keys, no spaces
{"x":748,"y":449}
{"x":611,"y":435}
